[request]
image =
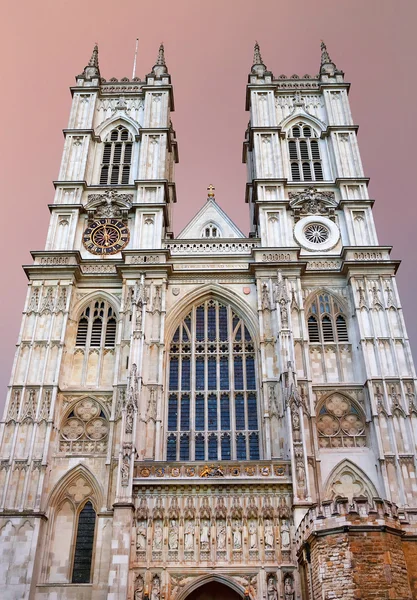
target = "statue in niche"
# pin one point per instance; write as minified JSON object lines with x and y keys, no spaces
{"x":285,"y":535}
{"x":272,"y":588}
{"x":221,"y":535}
{"x":141,"y":537}
{"x":139,"y":588}
{"x":253,"y":535}
{"x":288,"y":588}
{"x":173,"y":536}
{"x":189,"y":536}
{"x":237,"y":535}
{"x":205,"y":532}
{"x":157,"y":536}
{"x":156,"y":588}
{"x":266,"y":305}
{"x":269,"y":535}
{"x":129,"y":418}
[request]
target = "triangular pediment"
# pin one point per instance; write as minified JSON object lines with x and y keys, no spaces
{"x":208,"y":217}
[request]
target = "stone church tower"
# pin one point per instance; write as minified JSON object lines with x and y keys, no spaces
{"x":213,"y":414}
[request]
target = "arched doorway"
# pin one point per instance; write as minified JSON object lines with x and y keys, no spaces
{"x":213,"y":590}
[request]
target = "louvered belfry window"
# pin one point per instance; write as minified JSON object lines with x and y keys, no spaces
{"x":212,"y":388}
{"x":326,"y":321}
{"x":304,"y":154}
{"x":81,"y":571}
{"x":97,"y":326}
{"x":117,"y":157}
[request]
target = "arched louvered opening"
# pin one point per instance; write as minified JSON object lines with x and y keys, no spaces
{"x":96,"y":325}
{"x":82,"y":332}
{"x":341,"y":328}
{"x":212,"y":408}
{"x":303,"y":147}
{"x":327,"y":329}
{"x":325,"y":316}
{"x":117,"y":157}
{"x":83,"y":554}
{"x":313,"y":330}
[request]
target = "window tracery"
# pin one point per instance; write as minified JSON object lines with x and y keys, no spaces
{"x":340,"y":423}
{"x":117,"y":157}
{"x":85,"y":429}
{"x":212,"y":397}
{"x":304,"y":153}
{"x":97,"y":326}
{"x":326,"y":321}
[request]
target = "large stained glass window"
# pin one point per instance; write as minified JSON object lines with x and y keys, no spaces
{"x":212,"y":391}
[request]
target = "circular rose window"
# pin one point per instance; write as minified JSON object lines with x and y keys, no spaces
{"x":316,"y":233}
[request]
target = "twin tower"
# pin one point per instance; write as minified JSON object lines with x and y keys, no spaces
{"x":212,"y":414}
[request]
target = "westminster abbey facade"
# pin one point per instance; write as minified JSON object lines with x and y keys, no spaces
{"x":212,"y":414}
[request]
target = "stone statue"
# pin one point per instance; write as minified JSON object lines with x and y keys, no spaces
{"x":138,"y":588}
{"x":269,"y":535}
{"x":157,"y":536}
{"x":156,"y":588}
{"x":285,"y":535}
{"x":189,"y":536}
{"x":288,"y":588}
{"x":221,"y":535}
{"x":173,"y":536}
{"x":205,"y":532}
{"x":141,"y":537}
{"x":253,"y":535}
{"x":266,"y":305}
{"x":237,"y":535}
{"x":272,"y":589}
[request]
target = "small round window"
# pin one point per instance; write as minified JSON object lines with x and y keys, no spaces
{"x":316,"y":233}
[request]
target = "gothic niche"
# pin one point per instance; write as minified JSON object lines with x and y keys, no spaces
{"x":85,"y":429}
{"x":340,"y":423}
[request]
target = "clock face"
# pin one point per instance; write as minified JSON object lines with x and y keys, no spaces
{"x":106,"y":236}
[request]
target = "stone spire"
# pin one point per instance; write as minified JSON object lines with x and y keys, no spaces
{"x":160,"y":67}
{"x":258,"y":67}
{"x":327,"y":66}
{"x":92,"y":69}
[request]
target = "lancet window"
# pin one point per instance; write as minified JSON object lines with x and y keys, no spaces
{"x":117,"y":157}
{"x":304,"y":153}
{"x":212,"y":397}
{"x":83,"y":554}
{"x":210,"y":231}
{"x":97,"y":326}
{"x":326,"y":321}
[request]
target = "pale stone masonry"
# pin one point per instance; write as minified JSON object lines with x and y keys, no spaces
{"x":211,"y":407}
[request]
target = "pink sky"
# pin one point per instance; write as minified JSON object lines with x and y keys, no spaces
{"x":208,"y":47}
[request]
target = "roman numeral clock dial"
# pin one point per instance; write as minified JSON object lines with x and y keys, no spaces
{"x":106,"y":236}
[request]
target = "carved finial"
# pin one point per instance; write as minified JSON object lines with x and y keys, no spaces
{"x":211,"y":191}
{"x":325,"y":58}
{"x":257,"y":58}
{"x":92,"y":69}
{"x":94,"y":57}
{"x":161,"y":56}
{"x":258,"y":67}
{"x":160,"y":67}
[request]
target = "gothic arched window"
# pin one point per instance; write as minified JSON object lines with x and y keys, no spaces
{"x":340,"y":423}
{"x":212,"y":389}
{"x":83,"y":554}
{"x":304,"y":153}
{"x":210,"y":230}
{"x":97,"y":326}
{"x":117,"y":157}
{"x":326,"y":321}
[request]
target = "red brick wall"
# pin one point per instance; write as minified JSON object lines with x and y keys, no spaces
{"x":410,"y":553}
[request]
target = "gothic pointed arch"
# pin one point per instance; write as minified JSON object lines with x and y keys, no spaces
{"x":79,"y":306}
{"x":326,"y":315}
{"x":199,"y":582}
{"x":212,"y":408}
{"x":305,"y":147}
{"x":301,"y":115}
{"x":77,"y":485}
{"x":347,"y":480}
{"x":106,"y":127}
